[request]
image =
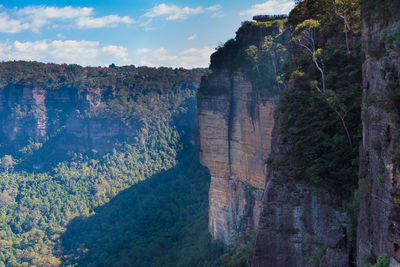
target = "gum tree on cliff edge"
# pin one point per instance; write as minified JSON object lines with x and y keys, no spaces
{"x":305,"y":36}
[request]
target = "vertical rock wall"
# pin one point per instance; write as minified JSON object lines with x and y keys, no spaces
{"x":235,"y":139}
{"x":379,"y":219}
{"x":300,"y":225}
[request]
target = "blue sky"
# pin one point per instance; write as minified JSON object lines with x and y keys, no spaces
{"x":176,"y":33}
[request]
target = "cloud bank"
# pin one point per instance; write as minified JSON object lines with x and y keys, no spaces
{"x":188,"y":58}
{"x":270,"y":7}
{"x":86,"y":53}
{"x":33,"y":18}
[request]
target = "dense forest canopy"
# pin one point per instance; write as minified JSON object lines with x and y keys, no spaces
{"x":45,"y":185}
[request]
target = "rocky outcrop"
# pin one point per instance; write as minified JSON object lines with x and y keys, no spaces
{"x":235,"y":140}
{"x":379,"y":218}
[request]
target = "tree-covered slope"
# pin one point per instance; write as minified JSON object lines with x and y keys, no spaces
{"x":159,"y":222}
{"x":73,"y":138}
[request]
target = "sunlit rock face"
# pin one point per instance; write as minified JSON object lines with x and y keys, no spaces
{"x":236,"y":120}
{"x":235,"y":140}
{"x":379,"y":218}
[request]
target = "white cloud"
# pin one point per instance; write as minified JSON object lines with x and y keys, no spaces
{"x":38,"y":16}
{"x":9,"y":25}
{"x":217,"y":12}
{"x":189,"y":58}
{"x":111,"y":21}
{"x":214,"y":8}
{"x":35,"y":17}
{"x":172,"y":12}
{"x":60,"y":35}
{"x":69,"y":51}
{"x":270,"y":7}
{"x":116,"y":51}
{"x":143,"y":51}
{"x":46,"y":12}
{"x":192,"y":37}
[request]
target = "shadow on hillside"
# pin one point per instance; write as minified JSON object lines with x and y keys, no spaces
{"x":159,"y":222}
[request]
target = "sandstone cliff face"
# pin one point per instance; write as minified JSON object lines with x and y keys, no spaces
{"x":33,"y":114}
{"x":235,"y":139}
{"x":379,"y":219}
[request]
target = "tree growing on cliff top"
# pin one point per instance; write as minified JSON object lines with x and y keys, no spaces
{"x":305,"y":36}
{"x":266,"y":63}
{"x":348,"y":10}
{"x":7,"y":162}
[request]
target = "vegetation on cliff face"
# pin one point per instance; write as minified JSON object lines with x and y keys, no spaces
{"x":258,"y":51}
{"x":38,"y":201}
{"x":318,"y":141}
{"x":385,"y":10}
{"x":321,"y":106}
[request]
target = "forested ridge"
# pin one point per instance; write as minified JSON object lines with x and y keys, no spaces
{"x":44,"y":185}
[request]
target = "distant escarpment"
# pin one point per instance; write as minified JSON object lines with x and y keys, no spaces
{"x":84,"y":109}
{"x":378,"y":235}
{"x":236,"y":104}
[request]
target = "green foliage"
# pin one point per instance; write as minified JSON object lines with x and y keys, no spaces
{"x":386,"y":10}
{"x":352,"y":207}
{"x":7,"y":162}
{"x":320,"y":10}
{"x":49,"y":187}
{"x":260,"y":58}
{"x":307,"y":25}
{"x":159,"y":222}
{"x":323,"y":11}
{"x":392,"y":39}
{"x":382,"y":261}
{"x":320,"y":112}
{"x":316,"y":258}
{"x":318,"y":143}
{"x":278,"y":23}
{"x":266,"y":65}
{"x":240,"y":252}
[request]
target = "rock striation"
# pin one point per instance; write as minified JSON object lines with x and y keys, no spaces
{"x":235,"y":127}
{"x":235,"y":140}
{"x":300,"y":225}
{"x":378,"y":232}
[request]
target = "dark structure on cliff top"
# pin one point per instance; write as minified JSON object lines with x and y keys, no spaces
{"x":265,"y":18}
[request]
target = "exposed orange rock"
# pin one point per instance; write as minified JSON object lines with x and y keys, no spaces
{"x":235,"y":140}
